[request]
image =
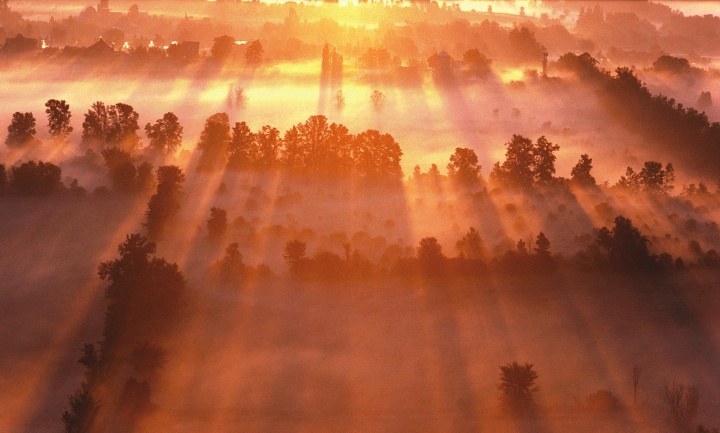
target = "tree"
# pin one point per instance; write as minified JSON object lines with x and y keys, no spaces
{"x":268,"y":144}
{"x":517,"y":383}
{"x":463,"y":167}
{"x":231,"y":266}
{"x":580,"y":174}
{"x":523,"y":45}
{"x":165,"y":135}
{"x":675,"y":65}
{"x":32,"y":178}
{"x":471,"y":245}
{"x":165,"y":203}
{"x":122,"y":170}
{"x":21,"y":131}
{"x":378,"y":99}
{"x":294,"y":254}
{"x":625,"y":247}
{"x":526,"y":164}
{"x":122,"y":127}
{"x":544,"y":161}
{"x":214,"y":141}
{"x":217,"y":224}
{"x":636,"y":381}
{"x":683,"y":404}
{"x":242,"y":151}
{"x":3,"y":178}
{"x":81,"y":414}
{"x":58,"y":113}
{"x":95,"y":125}
{"x":517,"y":170}
{"x":476,"y":64}
{"x":376,"y":156}
{"x":222,"y":47}
{"x":542,"y":245}
{"x":652,"y":178}
{"x":254,"y":54}
{"x":430,"y":256}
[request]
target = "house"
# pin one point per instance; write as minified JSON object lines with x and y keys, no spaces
{"x":99,"y":49}
{"x":20,"y":44}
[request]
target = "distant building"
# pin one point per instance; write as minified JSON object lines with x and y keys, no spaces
{"x":185,"y":50}
{"x":189,"y":49}
{"x":20,"y":44}
{"x":103,"y":6}
{"x":99,"y":49}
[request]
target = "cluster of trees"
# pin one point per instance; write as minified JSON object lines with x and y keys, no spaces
{"x":144,"y":298}
{"x":683,"y":130}
{"x":331,"y":68}
{"x":651,"y":178}
{"x":314,"y":147}
{"x":32,"y":178}
{"x":526,"y":164}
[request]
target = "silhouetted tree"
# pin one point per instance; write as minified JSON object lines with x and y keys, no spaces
{"x":95,"y":125}
{"x":652,"y":178}
{"x":122,"y":127}
{"x":32,"y":178}
{"x":580,"y":174}
{"x":517,"y":170}
{"x":430,"y":256}
{"x":254,"y":54}
{"x":294,"y":254}
{"x":3,"y":179}
{"x":526,"y":164}
{"x":544,"y":161}
{"x":378,"y":99}
{"x":463,"y":167}
{"x":58,"y":113}
{"x":636,"y":381}
{"x":217,"y":224}
{"x":471,"y":245}
{"x":339,"y":100}
{"x":21,"y":131}
{"x":121,"y":168}
{"x":626,"y":248}
{"x":542,"y":245}
{"x":165,"y":203}
{"x":683,"y":405}
{"x":704,"y":100}
{"x":222,"y":47}
{"x":476,"y":64}
{"x":583,"y":65}
{"x":165,"y":135}
{"x":144,"y":295}
{"x":517,"y":383}
{"x":268,"y":144}
{"x":81,"y":414}
{"x":231,"y":266}
{"x":676,"y":65}
{"x":214,"y":141}
{"x":112,"y":125}
{"x":242,"y":149}
{"x":376,"y":156}
{"x":524,"y":47}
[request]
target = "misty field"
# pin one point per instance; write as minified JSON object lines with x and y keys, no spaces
{"x":403,"y":216}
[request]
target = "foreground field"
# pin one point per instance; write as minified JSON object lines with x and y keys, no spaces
{"x":380,"y":356}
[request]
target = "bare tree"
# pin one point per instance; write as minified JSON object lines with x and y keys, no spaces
{"x":683,"y":405}
{"x":636,"y":381}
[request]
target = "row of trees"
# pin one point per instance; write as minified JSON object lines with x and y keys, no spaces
{"x":104,"y":126}
{"x":621,"y":247}
{"x":314,"y":147}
